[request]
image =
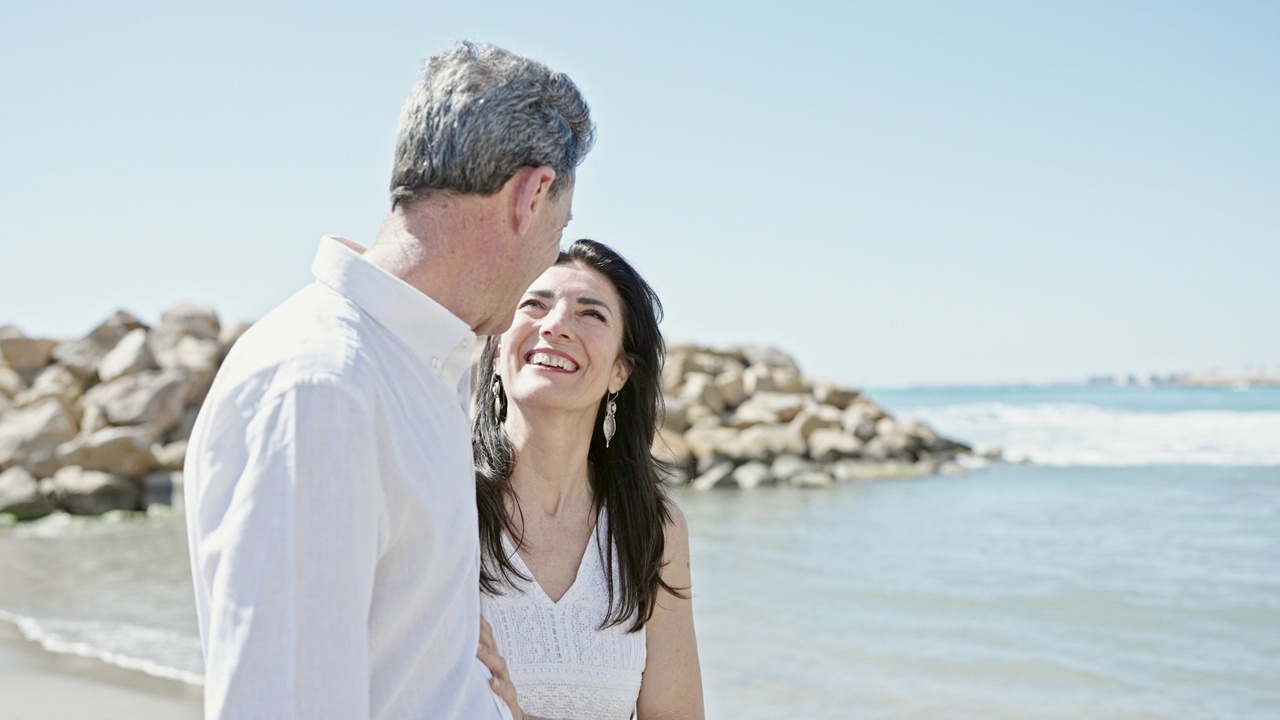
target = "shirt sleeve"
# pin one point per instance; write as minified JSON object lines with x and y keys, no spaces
{"x":290,"y":561}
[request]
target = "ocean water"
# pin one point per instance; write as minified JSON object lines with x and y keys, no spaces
{"x":1127,"y":565}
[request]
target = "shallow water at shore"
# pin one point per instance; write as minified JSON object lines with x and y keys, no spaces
{"x":1016,"y":592}
{"x":1115,"y":590}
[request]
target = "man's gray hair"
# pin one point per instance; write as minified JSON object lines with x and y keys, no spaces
{"x":479,"y":114}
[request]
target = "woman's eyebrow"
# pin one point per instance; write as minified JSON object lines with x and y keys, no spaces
{"x":588,"y":300}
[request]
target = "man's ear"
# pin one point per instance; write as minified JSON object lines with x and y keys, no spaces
{"x":531,"y":189}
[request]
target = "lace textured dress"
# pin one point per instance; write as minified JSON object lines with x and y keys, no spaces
{"x":563,"y":665}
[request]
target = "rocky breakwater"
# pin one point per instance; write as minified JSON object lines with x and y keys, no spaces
{"x":744,"y":417}
{"x":101,"y":423}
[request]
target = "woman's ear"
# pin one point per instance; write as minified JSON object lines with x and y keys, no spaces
{"x":621,"y":372}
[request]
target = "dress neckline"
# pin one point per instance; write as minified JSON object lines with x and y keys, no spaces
{"x":523,"y":567}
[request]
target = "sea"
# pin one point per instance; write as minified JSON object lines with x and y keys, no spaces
{"x":1123,"y":561}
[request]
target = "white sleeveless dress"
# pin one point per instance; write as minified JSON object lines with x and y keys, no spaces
{"x":563,"y":665}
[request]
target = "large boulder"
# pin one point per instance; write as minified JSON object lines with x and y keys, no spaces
{"x":752,"y":474}
{"x":55,"y":381}
{"x":769,"y":357}
{"x":156,"y":399}
{"x":20,"y":495}
{"x":131,"y":355}
{"x":170,"y":456}
{"x":91,"y":492}
{"x":26,"y":355}
{"x":124,"y":451}
{"x":769,"y":408}
{"x":11,"y":383}
{"x":699,"y":388}
{"x":30,"y":436}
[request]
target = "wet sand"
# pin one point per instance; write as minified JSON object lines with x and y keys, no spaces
{"x":37,"y":685}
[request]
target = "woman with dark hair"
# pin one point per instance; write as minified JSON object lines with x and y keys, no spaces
{"x":585,"y":561}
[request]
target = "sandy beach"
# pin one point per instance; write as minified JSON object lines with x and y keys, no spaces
{"x":37,"y":685}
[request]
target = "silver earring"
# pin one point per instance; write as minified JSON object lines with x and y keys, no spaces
{"x":497,"y":397}
{"x":610,"y":424}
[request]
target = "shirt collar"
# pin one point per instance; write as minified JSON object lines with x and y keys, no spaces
{"x":440,"y":339}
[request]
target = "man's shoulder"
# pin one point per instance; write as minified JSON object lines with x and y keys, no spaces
{"x":316,"y":337}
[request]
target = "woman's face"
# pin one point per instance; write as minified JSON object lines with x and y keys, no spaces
{"x":563,"y":350}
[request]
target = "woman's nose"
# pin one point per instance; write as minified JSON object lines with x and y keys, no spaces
{"x":555,"y":323}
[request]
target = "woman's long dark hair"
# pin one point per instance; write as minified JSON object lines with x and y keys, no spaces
{"x":626,"y":480}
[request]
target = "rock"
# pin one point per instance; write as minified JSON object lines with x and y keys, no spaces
{"x":729,"y":386}
{"x":761,"y":442}
{"x":715,"y":475}
{"x":816,"y":417}
{"x":26,"y":355}
{"x":55,"y":381}
{"x":713,"y":363}
{"x":155,"y":399}
{"x":669,"y":447}
{"x":875,"y":450}
{"x":827,"y":444}
{"x":860,"y":419}
{"x":706,"y":443}
{"x":769,"y":408}
{"x":897,"y":440}
{"x":182,"y":430}
{"x":787,"y":381}
{"x":673,"y":371}
{"x":170,"y":456}
{"x":163,"y":487}
{"x":757,"y":379}
{"x":131,"y":355}
{"x":788,"y":464}
{"x":90,"y":492}
{"x":769,"y":357}
{"x":703,"y":416}
{"x":675,"y":418}
{"x":11,"y":383}
{"x":700,"y":389}
{"x":113,"y":329}
{"x":20,"y":495}
{"x":867,"y":470}
{"x":80,"y":357}
{"x":30,"y":436}
{"x":752,"y":474}
{"x":834,"y":395}
{"x":199,"y":321}
{"x":124,"y":451}
{"x":812,"y":478}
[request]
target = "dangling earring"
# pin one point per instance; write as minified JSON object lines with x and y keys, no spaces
{"x":610,"y":424}
{"x":497,"y":397}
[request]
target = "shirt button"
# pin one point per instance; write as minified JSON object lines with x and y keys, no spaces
{"x":435,"y":363}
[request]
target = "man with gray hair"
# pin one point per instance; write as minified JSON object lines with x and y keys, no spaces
{"x":329,"y":482}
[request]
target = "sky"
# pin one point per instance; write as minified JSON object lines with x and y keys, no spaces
{"x":897,"y":193}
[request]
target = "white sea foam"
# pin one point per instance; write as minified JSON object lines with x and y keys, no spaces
{"x":1079,"y":434}
{"x":154,"y":651}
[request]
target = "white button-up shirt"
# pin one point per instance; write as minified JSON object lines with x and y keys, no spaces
{"x":331,"y":512}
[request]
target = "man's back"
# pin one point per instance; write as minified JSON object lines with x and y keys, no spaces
{"x":331,"y":509}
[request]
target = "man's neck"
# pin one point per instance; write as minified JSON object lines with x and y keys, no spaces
{"x":443,"y":250}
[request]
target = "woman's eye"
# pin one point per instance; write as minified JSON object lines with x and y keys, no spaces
{"x":595,"y":314}
{"x":530,"y":303}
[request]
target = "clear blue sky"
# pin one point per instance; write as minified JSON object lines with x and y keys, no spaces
{"x":896,"y":192}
